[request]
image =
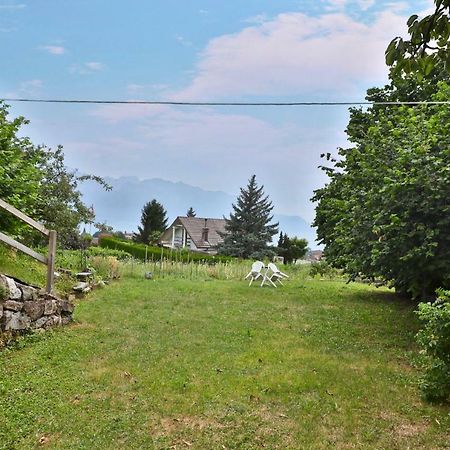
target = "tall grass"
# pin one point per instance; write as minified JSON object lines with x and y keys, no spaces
{"x":231,"y":270}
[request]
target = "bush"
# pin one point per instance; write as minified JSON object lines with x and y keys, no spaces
{"x":434,"y":339}
{"x":100,"y":251}
{"x":323,"y":269}
{"x":141,"y":251}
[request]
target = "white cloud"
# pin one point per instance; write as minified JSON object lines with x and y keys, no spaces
{"x":53,"y":49}
{"x":333,"y":5}
{"x":294,"y":54}
{"x":94,"y":66}
{"x":86,"y":68}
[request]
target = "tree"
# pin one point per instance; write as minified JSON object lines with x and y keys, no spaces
{"x":35,"y":180}
{"x":19,"y":174}
{"x":248,"y":230}
{"x":292,"y":248}
{"x":385,"y":212}
{"x":191,"y":212}
{"x":428,"y":45}
{"x":60,"y":205}
{"x":154,"y":222}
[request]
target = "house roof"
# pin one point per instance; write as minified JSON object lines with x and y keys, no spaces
{"x":195,"y":225}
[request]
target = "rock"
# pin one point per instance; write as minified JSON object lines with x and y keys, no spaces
{"x":1,"y":310}
{"x":13,"y":305}
{"x":40,"y":323}
{"x":71,"y":298}
{"x":67,"y":307}
{"x":66,"y":320}
{"x":82,"y":287}
{"x":34,"y":309}
{"x":14,"y":293}
{"x":53,"y":321}
{"x":16,"y":321}
{"x":50,"y":307}
{"x":28,"y":292}
{"x":4,"y":291}
{"x":148,"y":275}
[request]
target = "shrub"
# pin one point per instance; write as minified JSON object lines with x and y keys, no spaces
{"x":323,"y":269}
{"x":141,"y":251}
{"x":100,"y":251}
{"x":434,"y":339}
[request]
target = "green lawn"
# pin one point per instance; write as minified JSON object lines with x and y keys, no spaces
{"x":218,"y":365}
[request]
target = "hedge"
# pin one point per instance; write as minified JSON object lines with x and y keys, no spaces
{"x":140,"y":251}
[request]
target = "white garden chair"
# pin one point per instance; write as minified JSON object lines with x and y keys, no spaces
{"x":256,"y":271}
{"x":273,"y":275}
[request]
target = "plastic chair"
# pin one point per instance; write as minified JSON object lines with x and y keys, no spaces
{"x":276,"y":275}
{"x":255,"y":272}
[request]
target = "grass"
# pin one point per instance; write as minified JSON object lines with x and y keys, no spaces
{"x":169,"y":363}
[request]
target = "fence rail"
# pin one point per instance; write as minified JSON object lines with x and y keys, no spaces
{"x":48,"y":260}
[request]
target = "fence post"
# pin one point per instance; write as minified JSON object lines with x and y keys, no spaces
{"x":51,"y":260}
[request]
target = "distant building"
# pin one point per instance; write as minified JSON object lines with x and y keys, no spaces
{"x":314,"y":255}
{"x":194,"y":233}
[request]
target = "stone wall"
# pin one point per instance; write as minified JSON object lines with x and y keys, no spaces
{"x":25,"y":307}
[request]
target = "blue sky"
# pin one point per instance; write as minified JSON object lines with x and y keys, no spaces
{"x":197,"y":50}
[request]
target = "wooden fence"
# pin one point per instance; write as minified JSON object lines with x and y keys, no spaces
{"x":48,"y":260}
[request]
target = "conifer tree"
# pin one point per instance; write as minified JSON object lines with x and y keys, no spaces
{"x":191,"y":212}
{"x":153,"y":220}
{"x":248,"y":230}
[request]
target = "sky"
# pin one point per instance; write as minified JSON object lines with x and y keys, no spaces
{"x":198,"y":50}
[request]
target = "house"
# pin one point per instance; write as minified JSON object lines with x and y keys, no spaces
{"x":194,"y":233}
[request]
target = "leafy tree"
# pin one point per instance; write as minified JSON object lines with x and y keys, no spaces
{"x":191,"y":212}
{"x":385,"y":212}
{"x":35,"y":180}
{"x":429,"y":43}
{"x":60,"y":205}
{"x":19,"y":174}
{"x":292,"y":248}
{"x":103,"y":227}
{"x":434,"y":338}
{"x":248,"y":230}
{"x":153,"y":221}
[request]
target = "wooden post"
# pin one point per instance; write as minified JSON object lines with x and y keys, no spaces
{"x":51,"y":260}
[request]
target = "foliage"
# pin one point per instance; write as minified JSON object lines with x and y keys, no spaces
{"x":19,"y":175}
{"x":291,"y":248}
{"x":191,"y":212}
{"x":3,"y":293}
{"x":103,"y":251}
{"x":153,"y":221}
{"x":434,"y":339}
{"x":144,"y":252}
{"x":248,"y":230}
{"x":103,"y":227}
{"x":385,"y":212}
{"x":429,"y":43}
{"x":35,"y":180}
{"x":323,"y":269}
{"x":60,"y":205}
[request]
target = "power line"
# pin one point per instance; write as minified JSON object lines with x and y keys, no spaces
{"x":175,"y":103}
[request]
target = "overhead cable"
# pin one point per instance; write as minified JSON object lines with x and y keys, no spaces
{"x":195,"y":103}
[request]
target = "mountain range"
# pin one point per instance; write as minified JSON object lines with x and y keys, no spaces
{"x":121,"y":207}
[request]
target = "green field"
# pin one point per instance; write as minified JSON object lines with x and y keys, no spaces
{"x":217,"y":365}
